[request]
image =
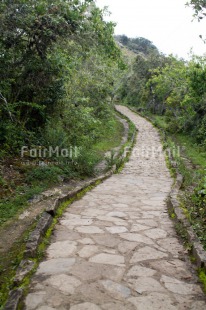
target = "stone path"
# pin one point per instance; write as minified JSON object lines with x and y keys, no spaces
{"x":116,"y":248}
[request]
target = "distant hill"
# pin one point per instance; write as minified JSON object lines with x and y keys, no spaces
{"x":136,"y":45}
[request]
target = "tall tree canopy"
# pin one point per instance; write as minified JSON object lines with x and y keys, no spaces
{"x":43,"y":44}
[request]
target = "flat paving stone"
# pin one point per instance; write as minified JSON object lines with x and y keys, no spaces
{"x":180,"y":287}
{"x":171,"y":268}
{"x":86,"y":241}
{"x":88,"y":251}
{"x":147,"y":222}
{"x":136,"y":238}
{"x":116,"y":247}
{"x":118,"y":306}
{"x":146,"y":284}
{"x":54,"y":266}
{"x":89,"y":230}
{"x":64,"y":283}
{"x":77,"y":222}
{"x":126,"y":247}
{"x":116,"y":290}
{"x":35,"y":299}
{"x":145,"y":254}
{"x":85,"y":306}
{"x":139,"y":271}
{"x":94,"y":293}
{"x":88,"y":271}
{"x":153,"y":301}
{"x":198,"y":305}
{"x":138,"y":227}
{"x":117,"y":214}
{"x":116,"y":229}
{"x":64,"y":234}
{"x":61,"y":249}
{"x":46,"y":308}
{"x":109,"y":259}
{"x":172,"y":245}
{"x":108,"y":240}
{"x":156,"y":233}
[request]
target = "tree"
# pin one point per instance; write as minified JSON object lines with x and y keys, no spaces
{"x":199,"y":7}
{"x":31,"y":77}
{"x":42,"y":46}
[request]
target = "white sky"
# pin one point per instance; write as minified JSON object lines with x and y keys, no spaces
{"x":167,"y":23}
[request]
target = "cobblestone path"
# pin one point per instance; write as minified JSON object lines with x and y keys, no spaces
{"x":116,"y":248}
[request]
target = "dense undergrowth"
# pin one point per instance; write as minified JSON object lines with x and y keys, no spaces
{"x":59,"y":64}
{"x":35,"y":179}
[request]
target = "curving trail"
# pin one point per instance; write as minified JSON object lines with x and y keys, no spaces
{"x":116,"y":248}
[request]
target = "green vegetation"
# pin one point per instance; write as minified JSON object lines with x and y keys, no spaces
{"x":137,"y":45}
{"x":192,"y":150}
{"x":40,"y":178}
{"x":8,"y":265}
{"x":202,"y":277}
{"x":110,"y":139}
{"x":172,"y":93}
{"x":199,"y":7}
{"x":59,"y":64}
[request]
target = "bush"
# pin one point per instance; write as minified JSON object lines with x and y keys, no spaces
{"x":48,"y":174}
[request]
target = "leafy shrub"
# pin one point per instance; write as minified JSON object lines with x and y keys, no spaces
{"x":197,"y":210}
{"x":46,"y":173}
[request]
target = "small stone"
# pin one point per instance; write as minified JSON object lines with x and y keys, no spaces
{"x":118,"y":291}
{"x":139,"y":271}
{"x":88,"y":251}
{"x":171,"y":267}
{"x":56,"y":266}
{"x":117,"y":306}
{"x":66,"y":284}
{"x":89,"y":230}
{"x":136,"y":237}
{"x":110,"y":251}
{"x":61,"y":249}
{"x":146,"y":253}
{"x":85,"y":306}
{"x":46,"y":308}
{"x":156,"y":233}
{"x":117,"y":214}
{"x":14,"y":299}
{"x":62,"y":233}
{"x":39,"y":287}
{"x":146,"y":284}
{"x":148,"y":222}
{"x":112,"y":219}
{"x":87,"y":271}
{"x":24,"y":215}
{"x":24,"y":268}
{"x":107,"y":240}
{"x":86,"y":241}
{"x":172,"y":245}
{"x":107,"y":259}
{"x":77,"y":222}
{"x":180,"y":287}
{"x":35,"y":299}
{"x":198,"y":305}
{"x":153,"y":301}
{"x":126,"y":246}
{"x":139,"y":227}
{"x":116,"y":229}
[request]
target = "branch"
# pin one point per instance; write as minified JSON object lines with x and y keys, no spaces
{"x":7,"y":106}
